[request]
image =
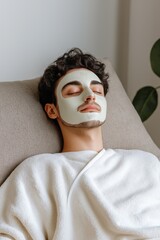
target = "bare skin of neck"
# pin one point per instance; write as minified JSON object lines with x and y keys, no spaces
{"x":79,"y":139}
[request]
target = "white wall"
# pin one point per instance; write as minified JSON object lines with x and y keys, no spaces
{"x":34,"y":33}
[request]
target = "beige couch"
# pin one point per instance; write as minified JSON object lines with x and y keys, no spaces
{"x":25,"y":130}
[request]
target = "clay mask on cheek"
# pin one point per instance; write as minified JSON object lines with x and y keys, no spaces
{"x":68,"y":106}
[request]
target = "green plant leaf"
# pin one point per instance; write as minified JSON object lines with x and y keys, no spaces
{"x":145,"y":102}
{"x":155,"y":58}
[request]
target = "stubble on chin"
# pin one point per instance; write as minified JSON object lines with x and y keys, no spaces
{"x":89,"y":124}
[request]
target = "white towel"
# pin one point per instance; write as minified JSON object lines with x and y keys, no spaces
{"x":110,"y":195}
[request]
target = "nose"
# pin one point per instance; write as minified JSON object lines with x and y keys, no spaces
{"x":89,"y":95}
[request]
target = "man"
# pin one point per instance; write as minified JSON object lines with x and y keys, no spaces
{"x":72,"y":92}
{"x":84,"y":192}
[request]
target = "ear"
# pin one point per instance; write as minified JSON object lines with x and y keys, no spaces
{"x":51,"y":110}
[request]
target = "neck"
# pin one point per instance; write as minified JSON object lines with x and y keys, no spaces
{"x":79,"y":139}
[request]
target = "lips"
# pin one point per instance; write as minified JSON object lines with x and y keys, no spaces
{"x":89,"y":108}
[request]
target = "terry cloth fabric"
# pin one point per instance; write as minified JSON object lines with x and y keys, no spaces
{"x":110,"y":195}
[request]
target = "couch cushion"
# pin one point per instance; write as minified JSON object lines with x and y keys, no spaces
{"x":26,"y":131}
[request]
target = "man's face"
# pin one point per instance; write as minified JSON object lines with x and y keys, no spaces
{"x":80,"y":99}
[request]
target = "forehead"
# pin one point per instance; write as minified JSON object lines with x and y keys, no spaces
{"x":82,"y":75}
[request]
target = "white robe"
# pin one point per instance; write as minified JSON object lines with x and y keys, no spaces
{"x":110,"y":195}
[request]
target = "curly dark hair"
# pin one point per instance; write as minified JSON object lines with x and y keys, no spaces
{"x":75,"y":58}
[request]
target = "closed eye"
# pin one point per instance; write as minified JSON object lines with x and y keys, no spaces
{"x":98,"y":90}
{"x":73,"y":93}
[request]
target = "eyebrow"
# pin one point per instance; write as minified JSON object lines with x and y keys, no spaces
{"x":94,"y":82}
{"x":71,"y":83}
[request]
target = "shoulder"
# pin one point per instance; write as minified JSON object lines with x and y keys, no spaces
{"x":40,"y":159}
{"x":134,"y":152}
{"x":135,"y":162}
{"x":136,"y":155}
{"x":38,"y":164}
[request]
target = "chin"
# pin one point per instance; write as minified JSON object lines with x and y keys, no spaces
{"x":89,"y":124}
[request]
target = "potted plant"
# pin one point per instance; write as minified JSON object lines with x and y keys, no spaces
{"x":146,"y":99}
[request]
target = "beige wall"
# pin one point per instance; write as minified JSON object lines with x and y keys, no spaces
{"x":144,"y":31}
{"x":137,"y":29}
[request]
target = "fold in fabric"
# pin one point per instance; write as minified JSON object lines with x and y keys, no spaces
{"x":110,"y":195}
